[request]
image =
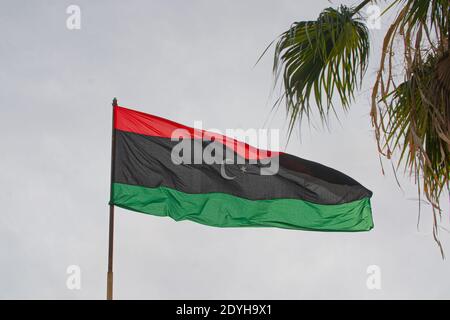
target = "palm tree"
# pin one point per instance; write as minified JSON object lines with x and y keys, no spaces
{"x":325,"y":59}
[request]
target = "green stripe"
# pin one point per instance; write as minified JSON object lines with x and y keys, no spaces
{"x":224,"y":210}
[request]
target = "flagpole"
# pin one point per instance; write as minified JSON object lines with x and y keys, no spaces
{"x":109,"y":283}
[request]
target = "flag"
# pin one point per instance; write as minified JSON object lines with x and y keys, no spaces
{"x":164,"y":168}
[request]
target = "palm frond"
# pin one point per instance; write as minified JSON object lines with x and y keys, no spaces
{"x":321,"y":58}
{"x":412,"y":115}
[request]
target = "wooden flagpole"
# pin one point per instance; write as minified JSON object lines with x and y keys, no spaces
{"x":109,"y":284}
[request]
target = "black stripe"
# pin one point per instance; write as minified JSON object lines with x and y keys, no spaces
{"x":146,"y":161}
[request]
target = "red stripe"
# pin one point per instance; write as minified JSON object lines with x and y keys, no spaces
{"x":146,"y":124}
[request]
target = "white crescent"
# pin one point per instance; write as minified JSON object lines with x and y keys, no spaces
{"x":223,"y":173}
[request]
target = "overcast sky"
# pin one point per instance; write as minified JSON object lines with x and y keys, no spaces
{"x":187,"y":61}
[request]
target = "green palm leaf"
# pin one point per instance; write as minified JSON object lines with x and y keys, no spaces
{"x":321,"y":58}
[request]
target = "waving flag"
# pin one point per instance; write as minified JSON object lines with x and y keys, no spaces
{"x":164,"y":168}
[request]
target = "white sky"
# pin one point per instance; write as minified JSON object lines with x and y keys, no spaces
{"x":187,"y":61}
